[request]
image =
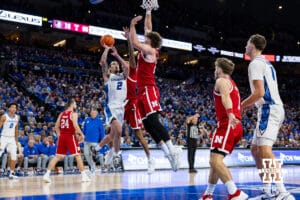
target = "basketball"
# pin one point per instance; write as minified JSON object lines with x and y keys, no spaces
{"x":107,"y":40}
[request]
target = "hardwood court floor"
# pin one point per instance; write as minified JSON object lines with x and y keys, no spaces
{"x":162,"y":184}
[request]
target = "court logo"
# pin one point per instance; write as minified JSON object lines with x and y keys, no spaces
{"x":271,"y":170}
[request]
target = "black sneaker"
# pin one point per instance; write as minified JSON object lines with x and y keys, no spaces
{"x":94,"y":153}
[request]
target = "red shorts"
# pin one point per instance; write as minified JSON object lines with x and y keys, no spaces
{"x":148,"y":101}
{"x":225,"y":138}
{"x":67,"y":142}
{"x":132,"y":114}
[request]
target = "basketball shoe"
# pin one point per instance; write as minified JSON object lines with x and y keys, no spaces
{"x":46,"y":178}
{"x":151,"y":165}
{"x":238,"y":195}
{"x":206,"y":197}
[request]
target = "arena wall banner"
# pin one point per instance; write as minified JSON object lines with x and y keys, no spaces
{"x":20,"y":18}
{"x":135,"y":159}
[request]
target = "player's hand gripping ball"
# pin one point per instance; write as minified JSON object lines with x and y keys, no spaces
{"x":107,"y":40}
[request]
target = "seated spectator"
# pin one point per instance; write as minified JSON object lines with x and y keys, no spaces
{"x":4,"y":161}
{"x":126,"y":143}
{"x":30,"y":154}
{"x":43,"y":157}
{"x":23,"y":139}
{"x":52,"y":148}
{"x":31,"y":118}
{"x":68,"y":162}
{"x":20,"y":159}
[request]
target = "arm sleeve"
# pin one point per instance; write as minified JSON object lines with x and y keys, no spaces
{"x":256,"y":70}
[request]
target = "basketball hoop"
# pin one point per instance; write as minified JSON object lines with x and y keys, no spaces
{"x":150,"y":5}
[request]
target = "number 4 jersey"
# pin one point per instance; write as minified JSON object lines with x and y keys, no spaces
{"x":66,"y":124}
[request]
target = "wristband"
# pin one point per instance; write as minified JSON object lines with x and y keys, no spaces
{"x":148,"y":12}
{"x":229,"y":110}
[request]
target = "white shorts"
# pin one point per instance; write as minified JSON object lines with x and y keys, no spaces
{"x":10,"y":144}
{"x":269,"y":120}
{"x":110,"y":113}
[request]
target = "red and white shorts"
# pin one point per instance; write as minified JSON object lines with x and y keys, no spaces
{"x":132,"y":114}
{"x":225,"y":138}
{"x":67,"y":142}
{"x":148,"y":101}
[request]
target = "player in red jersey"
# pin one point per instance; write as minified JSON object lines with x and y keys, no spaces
{"x":228,"y":132}
{"x":148,"y":94}
{"x":132,"y":114}
{"x":67,"y":127}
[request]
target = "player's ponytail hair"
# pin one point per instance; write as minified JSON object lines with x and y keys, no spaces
{"x":155,"y":38}
{"x":225,"y":64}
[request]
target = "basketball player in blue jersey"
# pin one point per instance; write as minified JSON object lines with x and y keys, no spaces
{"x":265,"y":95}
{"x":115,"y":93}
{"x":9,"y":136}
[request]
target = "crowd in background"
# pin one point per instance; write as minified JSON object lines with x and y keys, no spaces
{"x":42,"y":80}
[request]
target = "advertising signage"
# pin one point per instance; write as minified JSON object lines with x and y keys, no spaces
{"x":70,"y":26}
{"x":269,"y":57}
{"x":20,"y":18}
{"x":134,"y":159}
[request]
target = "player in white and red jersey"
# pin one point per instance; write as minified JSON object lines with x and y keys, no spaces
{"x":67,"y":127}
{"x":148,"y":94}
{"x":228,"y":132}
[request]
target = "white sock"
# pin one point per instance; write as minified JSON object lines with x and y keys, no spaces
{"x":231,"y":187}
{"x":280,"y":187}
{"x":267,"y":188}
{"x":170,"y":146}
{"x":98,"y":147}
{"x":210,"y":188}
{"x":165,"y":149}
{"x":48,"y":172}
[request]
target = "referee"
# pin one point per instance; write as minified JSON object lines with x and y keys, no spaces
{"x":192,"y":137}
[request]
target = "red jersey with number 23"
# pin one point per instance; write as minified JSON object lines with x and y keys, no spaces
{"x":66,"y":124}
{"x":221,"y":113}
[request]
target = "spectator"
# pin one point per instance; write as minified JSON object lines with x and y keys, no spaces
{"x":31,"y":118}
{"x":94,"y":132}
{"x":68,"y":162}
{"x":43,"y":158}
{"x":30,"y":154}
{"x":52,"y":148}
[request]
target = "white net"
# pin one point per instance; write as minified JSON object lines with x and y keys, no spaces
{"x":150,"y":4}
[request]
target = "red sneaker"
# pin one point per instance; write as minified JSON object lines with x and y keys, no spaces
{"x":206,"y":197}
{"x":238,"y":195}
